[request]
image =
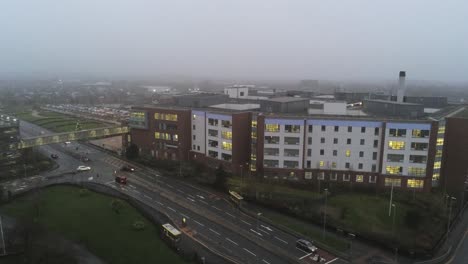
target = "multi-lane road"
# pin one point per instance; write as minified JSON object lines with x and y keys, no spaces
{"x":211,"y":219}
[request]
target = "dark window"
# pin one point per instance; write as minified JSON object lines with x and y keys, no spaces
{"x":374,"y":156}
{"x":335,"y":152}
{"x":322,"y":152}
{"x":324,"y":128}
{"x":241,"y":93}
{"x":347,"y":165}
{"x":337,"y":128}
{"x":360,"y":166}
{"x":374,"y":167}
{"x":362,"y":141}
{"x":361,"y":154}
{"x":376,"y":143}
{"x":309,"y":152}
{"x":363,"y":129}
{"x":322,"y":140}
{"x":193,"y":127}
{"x":376,"y":131}
{"x":194,"y":147}
{"x":198,"y":147}
{"x":308,"y":164}
{"x":194,"y":137}
{"x":397,"y":132}
{"x":335,"y":141}
{"x":348,"y":141}
{"x":350,"y":129}
{"x":310,"y":128}
{"x":309,"y":141}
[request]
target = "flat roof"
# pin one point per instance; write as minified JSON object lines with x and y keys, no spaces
{"x":287,"y":99}
{"x":236,"y":106}
{"x":391,"y":102}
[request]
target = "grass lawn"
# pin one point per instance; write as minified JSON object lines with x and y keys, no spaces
{"x":90,"y":220}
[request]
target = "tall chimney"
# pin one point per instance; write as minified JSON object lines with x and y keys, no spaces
{"x":401,"y":87}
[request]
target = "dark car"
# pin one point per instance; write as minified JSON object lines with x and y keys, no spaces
{"x":121,"y":179}
{"x":306,"y":246}
{"x":127,"y":168}
{"x":54,"y":156}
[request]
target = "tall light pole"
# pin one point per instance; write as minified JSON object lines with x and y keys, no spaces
{"x":351,"y":238}
{"x":3,"y":239}
{"x":391,"y":201}
{"x":393,"y":221}
{"x":325,"y":215}
{"x":451,"y":198}
{"x":242,"y":179}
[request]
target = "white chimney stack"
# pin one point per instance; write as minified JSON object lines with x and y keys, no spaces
{"x":401,"y":87}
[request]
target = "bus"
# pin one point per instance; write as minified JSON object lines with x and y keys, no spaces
{"x":235,"y":197}
{"x":171,"y":233}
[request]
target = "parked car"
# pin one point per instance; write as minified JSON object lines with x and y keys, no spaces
{"x":121,"y":179}
{"x":83,"y":168}
{"x":127,"y":168}
{"x":54,"y":156}
{"x":305,"y":245}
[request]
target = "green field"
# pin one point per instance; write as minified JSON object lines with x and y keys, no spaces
{"x":57,"y":122}
{"x":90,"y":220}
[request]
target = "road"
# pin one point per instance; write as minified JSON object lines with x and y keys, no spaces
{"x":211,"y":219}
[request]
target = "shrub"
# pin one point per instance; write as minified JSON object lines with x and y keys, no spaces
{"x":116,"y":205}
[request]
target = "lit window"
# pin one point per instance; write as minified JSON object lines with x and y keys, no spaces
{"x":437,"y":165}
{"x":253,"y":167}
{"x":157,"y":135}
{"x":272,"y":127}
{"x":435,"y":176}
{"x":416,"y":171}
{"x":254,"y":123}
{"x":413,"y":183}
{"x":398,"y":145}
{"x":226,"y":134}
{"x":418,"y":133}
{"x":440,"y":142}
{"x":394,"y":182}
{"x":175,"y":137}
{"x":348,"y":153}
{"x":321,"y":163}
{"x":359,"y":178}
{"x":194,"y":117}
{"x":157,"y":116}
{"x":253,"y":134}
{"x":394,"y":169}
{"x":441,"y":130}
{"x":438,"y":154}
{"x":171,"y":117}
{"x":333,"y":164}
{"x":227,"y":145}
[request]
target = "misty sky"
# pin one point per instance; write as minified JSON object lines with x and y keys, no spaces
{"x":265,"y":39}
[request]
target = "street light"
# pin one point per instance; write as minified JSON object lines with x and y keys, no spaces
{"x":351,"y":238}
{"x":325,"y":214}
{"x":451,"y":198}
{"x":242,"y":178}
{"x":393,"y":222}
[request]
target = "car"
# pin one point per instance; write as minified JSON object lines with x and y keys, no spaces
{"x":127,"y":168}
{"x":121,"y":179}
{"x":83,"y":168}
{"x":54,"y":156}
{"x":306,"y":246}
{"x":85,"y":159}
{"x":67,"y":143}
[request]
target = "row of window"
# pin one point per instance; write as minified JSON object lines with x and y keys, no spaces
{"x":401,"y":158}
{"x":224,"y":145}
{"x":224,"y":156}
{"x":350,"y":129}
{"x":410,"y":183}
{"x":215,"y":122}
{"x":416,"y":133}
{"x":166,"y":136}
{"x":413,"y":171}
{"x":400,"y":145}
{"x":346,"y":152}
{"x":333,"y":165}
{"x":168,"y":117}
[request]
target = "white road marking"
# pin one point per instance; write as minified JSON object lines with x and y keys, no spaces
{"x":281,"y":240}
{"x":191,"y":199}
{"x":160,"y":203}
{"x":185,"y":216}
{"x":256,"y":232}
{"x":204,"y":202}
{"x":227,"y":238}
{"x":331,"y":261}
{"x":267,"y":228}
{"x":179,"y":190}
{"x":305,"y":256}
{"x":249,"y":252}
{"x":201,"y":197}
{"x":261,"y":230}
{"x":147,"y":196}
{"x":265,"y":261}
{"x":215,"y":232}
{"x":136,"y":191}
{"x":131,"y":186}
{"x":246,"y":222}
{"x":171,"y":209}
{"x":230,"y":214}
{"x":170,"y":186}
{"x":216,"y":208}
{"x":198,"y":223}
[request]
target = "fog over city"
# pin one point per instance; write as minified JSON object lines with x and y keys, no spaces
{"x":264,"y":39}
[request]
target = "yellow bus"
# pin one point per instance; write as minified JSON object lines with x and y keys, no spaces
{"x":171,"y":232}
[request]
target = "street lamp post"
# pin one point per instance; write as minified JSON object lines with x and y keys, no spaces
{"x":391,"y":201}
{"x":242,"y":178}
{"x":451,"y":198}
{"x":351,"y":238}
{"x":325,"y":214}
{"x":393,"y":221}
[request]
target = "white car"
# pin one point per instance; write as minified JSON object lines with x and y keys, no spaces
{"x":83,"y":168}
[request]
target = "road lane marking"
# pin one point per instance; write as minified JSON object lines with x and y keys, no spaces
{"x":215,"y":232}
{"x":261,"y":230}
{"x":171,"y":209}
{"x":256,"y":232}
{"x":131,"y":186}
{"x":160,"y":203}
{"x":331,"y":261}
{"x":265,"y":261}
{"x":281,"y":240}
{"x":230,"y":215}
{"x":184,"y":216}
{"x":267,"y":228}
{"x":190,"y":199}
{"x":170,"y":186}
{"x":179,"y":190}
{"x":227,"y":238}
{"x":201,"y":197}
{"x":305,"y":256}
{"x":204,"y":202}
{"x":249,"y":252}
{"x":191,"y":196}
{"x":246,"y":222}
{"x":147,"y":197}
{"x":136,"y":191}
{"x":216,"y":208}
{"x":198,"y":223}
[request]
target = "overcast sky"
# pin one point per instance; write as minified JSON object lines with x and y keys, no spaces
{"x":265,"y":39}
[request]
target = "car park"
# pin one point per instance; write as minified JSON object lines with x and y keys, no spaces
{"x":306,"y":246}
